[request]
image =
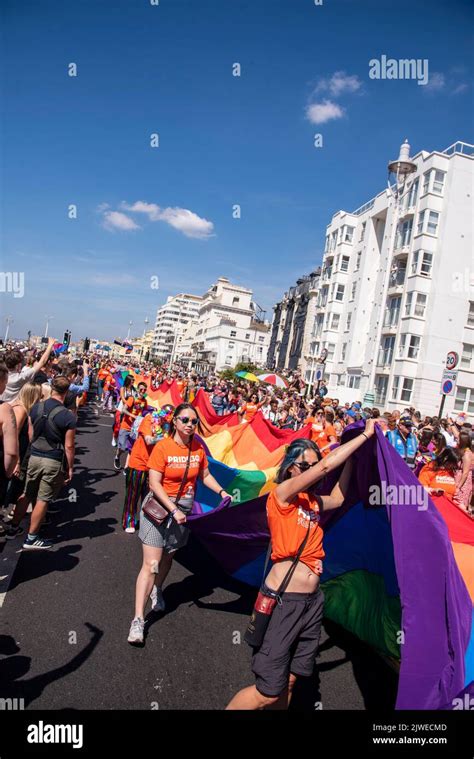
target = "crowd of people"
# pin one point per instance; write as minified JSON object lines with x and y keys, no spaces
{"x":161,"y":459}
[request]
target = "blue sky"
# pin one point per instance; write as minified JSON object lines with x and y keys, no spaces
{"x":166,"y":212}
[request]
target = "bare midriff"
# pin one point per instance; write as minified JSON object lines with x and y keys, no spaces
{"x":303,"y":579}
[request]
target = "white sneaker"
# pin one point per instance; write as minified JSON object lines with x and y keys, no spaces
{"x":157,"y":600}
{"x":136,"y":630}
{"x":130,"y":529}
{"x":114,"y":443}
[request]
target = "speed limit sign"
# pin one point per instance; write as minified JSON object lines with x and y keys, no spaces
{"x":452,"y":360}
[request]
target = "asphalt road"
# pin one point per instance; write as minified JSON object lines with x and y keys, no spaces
{"x":67,"y":612}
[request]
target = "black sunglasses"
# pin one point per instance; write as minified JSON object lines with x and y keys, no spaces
{"x":303,"y":466}
{"x":186,"y":420}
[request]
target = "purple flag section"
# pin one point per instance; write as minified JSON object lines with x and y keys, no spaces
{"x":436,"y":607}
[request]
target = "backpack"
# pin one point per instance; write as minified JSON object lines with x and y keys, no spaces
{"x":40,"y":442}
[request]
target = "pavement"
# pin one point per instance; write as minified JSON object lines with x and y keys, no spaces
{"x":66,"y":614}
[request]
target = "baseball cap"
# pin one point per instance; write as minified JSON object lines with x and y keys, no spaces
{"x":406,"y":421}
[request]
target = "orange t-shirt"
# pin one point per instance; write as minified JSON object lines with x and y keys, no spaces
{"x":288,"y":526}
{"x":181,"y":385}
{"x":250,"y":411}
{"x":140,"y":452}
{"x":102,"y":374}
{"x":321,"y":436}
{"x":439,"y":479}
{"x":135,"y":406}
{"x":169,"y":458}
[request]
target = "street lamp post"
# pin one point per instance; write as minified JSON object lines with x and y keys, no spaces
{"x":9,"y":320}
{"x":129,"y":329}
{"x":400,"y":169}
{"x":48,"y":319}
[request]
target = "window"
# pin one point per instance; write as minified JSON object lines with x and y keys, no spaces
{"x":438,"y":182}
{"x":231,"y":345}
{"x":426,"y":182}
{"x":402,"y":345}
{"x":335,"y":321}
{"x":381,"y":384}
{"x":343,"y":351}
{"x":349,"y":233}
{"x":470,"y":315}
{"x":421,"y":263}
{"x":420,"y":305}
{"x":247,"y":336}
{"x":326,"y":247}
{"x":340,"y":292}
{"x":392,"y":312}
{"x":427,"y":260}
{"x":408,"y":303}
{"x":407,"y":389}
{"x":331,"y":347}
{"x":463,"y":395}
{"x":412,"y":194}
{"x":353,"y":381}
{"x":261,"y":339}
{"x":233,"y":333}
{"x":235,"y":300}
{"x":466,"y":356}
{"x":333,"y":240}
{"x":353,"y":291}
{"x":395,"y":386}
{"x":421,"y":218}
{"x":432,"y":226}
{"x":461,"y":398}
{"x":362,"y":231}
{"x":357,"y":263}
{"x":345,"y":263}
{"x":414,"y":346}
{"x":348,"y":320}
{"x":404,"y":234}
{"x":342,"y":379}
{"x":386,"y":351}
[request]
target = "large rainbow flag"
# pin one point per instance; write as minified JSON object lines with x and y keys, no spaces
{"x":399,"y":575}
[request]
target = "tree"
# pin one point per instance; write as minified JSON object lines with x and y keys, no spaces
{"x":227,"y":374}
{"x":245,"y":366}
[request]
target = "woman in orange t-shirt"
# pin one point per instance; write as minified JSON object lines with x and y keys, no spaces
{"x":322,"y":432}
{"x":438,"y":476}
{"x":167,"y":467}
{"x":291,"y":639}
{"x":249,"y":409}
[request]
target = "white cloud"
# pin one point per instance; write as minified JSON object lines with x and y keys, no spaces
{"x":185,"y":221}
{"x":116,"y":220}
{"x":320,"y":113}
{"x":339,"y":83}
{"x":460,"y":88}
{"x":436,"y":82}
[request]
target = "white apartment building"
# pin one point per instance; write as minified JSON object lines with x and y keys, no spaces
{"x":171,"y":321}
{"x":397,"y":290}
{"x":228,"y":329}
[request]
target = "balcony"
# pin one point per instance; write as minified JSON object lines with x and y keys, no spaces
{"x":397,"y":280}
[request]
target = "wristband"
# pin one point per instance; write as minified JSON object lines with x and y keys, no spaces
{"x":221,"y":491}
{"x":366,"y":436}
{"x":172,"y":513}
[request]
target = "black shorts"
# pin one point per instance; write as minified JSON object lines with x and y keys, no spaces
{"x":291,"y":642}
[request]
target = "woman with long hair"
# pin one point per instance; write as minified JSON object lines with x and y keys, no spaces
{"x":437,"y":476}
{"x":291,"y":639}
{"x":174,"y":466}
{"x":29,"y":395}
{"x":464,"y":473}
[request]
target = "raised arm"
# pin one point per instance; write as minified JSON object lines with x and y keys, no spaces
{"x":289,"y":488}
{"x":43,"y":360}
{"x":10,"y":438}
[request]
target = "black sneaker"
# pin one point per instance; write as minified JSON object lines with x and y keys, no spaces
{"x":37,"y":544}
{"x":13,"y":531}
{"x":117,"y":464}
